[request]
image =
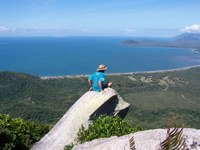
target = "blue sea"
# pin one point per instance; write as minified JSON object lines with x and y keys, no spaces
{"x":55,"y":56}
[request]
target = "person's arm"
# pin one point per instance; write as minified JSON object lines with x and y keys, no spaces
{"x":90,"y":80}
{"x":90,"y":83}
{"x":101,"y":81}
{"x":101,"y":86}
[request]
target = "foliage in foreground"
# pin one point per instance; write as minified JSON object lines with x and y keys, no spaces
{"x":68,"y":147}
{"x":17,"y":134}
{"x":102,"y":127}
{"x":105,"y":126}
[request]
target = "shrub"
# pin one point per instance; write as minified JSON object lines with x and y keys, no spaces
{"x":105,"y":126}
{"x":19,"y":134}
{"x":68,"y":147}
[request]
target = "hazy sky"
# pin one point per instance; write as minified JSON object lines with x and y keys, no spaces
{"x":99,"y":17}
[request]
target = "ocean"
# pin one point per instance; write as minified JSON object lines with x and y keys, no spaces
{"x":57,"y":56}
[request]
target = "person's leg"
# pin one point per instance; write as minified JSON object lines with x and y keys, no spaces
{"x":107,"y":85}
{"x":110,"y":84}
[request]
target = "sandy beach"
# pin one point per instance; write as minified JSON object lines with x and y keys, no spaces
{"x":113,"y":74}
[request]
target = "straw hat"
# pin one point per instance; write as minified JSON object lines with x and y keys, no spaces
{"x":102,"y":67}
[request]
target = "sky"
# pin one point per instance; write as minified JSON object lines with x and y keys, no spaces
{"x":150,"y":18}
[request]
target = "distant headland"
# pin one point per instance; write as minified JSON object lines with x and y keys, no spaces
{"x":186,"y":40}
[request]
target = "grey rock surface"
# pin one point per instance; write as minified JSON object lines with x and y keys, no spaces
{"x":90,"y":104}
{"x":144,"y":140}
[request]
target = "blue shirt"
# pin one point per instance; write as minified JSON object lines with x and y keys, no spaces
{"x":96,"y":78}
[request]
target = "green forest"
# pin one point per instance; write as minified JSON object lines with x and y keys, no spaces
{"x":153,"y":96}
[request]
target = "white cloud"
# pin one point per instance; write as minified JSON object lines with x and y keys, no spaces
{"x":192,"y":29}
{"x":129,"y":31}
{"x":4,"y":29}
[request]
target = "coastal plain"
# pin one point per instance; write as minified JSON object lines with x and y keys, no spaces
{"x":153,"y":96}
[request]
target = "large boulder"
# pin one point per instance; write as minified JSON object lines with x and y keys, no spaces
{"x":90,"y":104}
{"x":144,"y":140}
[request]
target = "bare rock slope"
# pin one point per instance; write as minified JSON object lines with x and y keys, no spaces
{"x":144,"y":140}
{"x":90,"y":104}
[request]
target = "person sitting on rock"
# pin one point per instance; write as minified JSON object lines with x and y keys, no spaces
{"x":96,"y":80}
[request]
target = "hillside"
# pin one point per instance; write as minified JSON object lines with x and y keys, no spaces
{"x":153,"y":96}
{"x":32,"y":98}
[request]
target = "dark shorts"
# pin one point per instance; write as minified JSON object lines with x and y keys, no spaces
{"x":105,"y":86}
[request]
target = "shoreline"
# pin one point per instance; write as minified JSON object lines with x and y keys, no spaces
{"x":114,"y":74}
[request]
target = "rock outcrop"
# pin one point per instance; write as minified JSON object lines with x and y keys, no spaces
{"x":144,"y":140}
{"x":90,"y":104}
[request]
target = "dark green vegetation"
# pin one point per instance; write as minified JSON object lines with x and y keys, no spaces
{"x":34,"y":99}
{"x":105,"y":126}
{"x":186,"y":40}
{"x":102,"y":127}
{"x":153,"y":96}
{"x":17,"y":134}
